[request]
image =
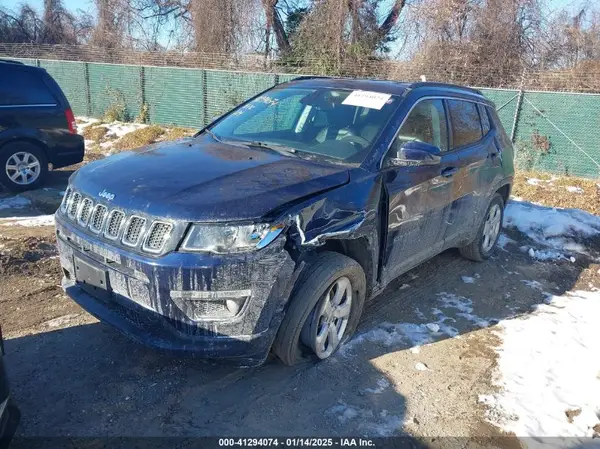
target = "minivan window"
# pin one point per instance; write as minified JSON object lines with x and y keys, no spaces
{"x":466,"y":128}
{"x":425,"y":123}
{"x":485,"y":120}
{"x":21,"y":87}
{"x":311,"y":121}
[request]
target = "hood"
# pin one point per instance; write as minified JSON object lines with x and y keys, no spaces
{"x":200,"y":179}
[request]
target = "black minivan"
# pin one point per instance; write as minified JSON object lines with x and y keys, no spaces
{"x":37,"y":127}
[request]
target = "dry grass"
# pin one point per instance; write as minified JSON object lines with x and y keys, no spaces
{"x":139,"y":137}
{"x":179,"y":133}
{"x":95,"y":132}
{"x":551,"y":190}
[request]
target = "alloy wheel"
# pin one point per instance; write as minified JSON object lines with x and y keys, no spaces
{"x":23,"y":168}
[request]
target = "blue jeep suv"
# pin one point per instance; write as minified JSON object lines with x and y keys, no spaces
{"x":269,"y":229}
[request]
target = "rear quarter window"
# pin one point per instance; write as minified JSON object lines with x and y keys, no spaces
{"x":485,"y":119}
{"x":466,"y":127}
{"x":22,"y":87}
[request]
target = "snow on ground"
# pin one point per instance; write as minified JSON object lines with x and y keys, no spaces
{"x":556,"y":230}
{"x":549,"y":371}
{"x":14,"y":202}
{"x":84,"y":122}
{"x":414,"y":335}
{"x":40,"y":220}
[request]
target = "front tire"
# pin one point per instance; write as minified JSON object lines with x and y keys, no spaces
{"x":324,"y":309}
{"x":484,"y":244}
{"x":23,"y":166}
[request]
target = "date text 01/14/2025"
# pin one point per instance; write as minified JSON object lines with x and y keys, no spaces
{"x":296,"y":442}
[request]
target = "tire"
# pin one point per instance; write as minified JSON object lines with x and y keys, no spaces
{"x":311,"y":288}
{"x":18,"y":149}
{"x":477,"y":250}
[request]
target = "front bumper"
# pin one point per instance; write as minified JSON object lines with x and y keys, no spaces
{"x":141,"y":302}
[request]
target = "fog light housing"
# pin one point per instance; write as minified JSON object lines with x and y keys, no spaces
{"x":216,"y":305}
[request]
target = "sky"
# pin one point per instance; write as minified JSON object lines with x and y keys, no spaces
{"x":88,"y":5}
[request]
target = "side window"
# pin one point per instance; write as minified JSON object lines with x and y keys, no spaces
{"x":425,"y":123}
{"x":466,"y":128}
{"x":485,"y":119}
{"x":277,"y":116}
{"x":21,"y":87}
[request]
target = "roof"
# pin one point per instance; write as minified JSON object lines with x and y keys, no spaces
{"x":383,"y":86}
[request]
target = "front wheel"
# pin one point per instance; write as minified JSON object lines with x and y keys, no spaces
{"x":487,"y":236}
{"x":324,"y":310}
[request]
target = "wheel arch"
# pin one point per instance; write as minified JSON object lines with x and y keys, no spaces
{"x":41,"y":145}
{"x":360,"y":250}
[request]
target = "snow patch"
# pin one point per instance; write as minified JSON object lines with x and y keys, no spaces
{"x":367,"y":422}
{"x":548,"y":364}
{"x":14,"y":202}
{"x":468,"y":279}
{"x":555,"y":229}
{"x":382,"y":384}
{"x":574,"y":189}
{"x":503,"y":240}
{"x":417,"y":335}
{"x":40,"y":220}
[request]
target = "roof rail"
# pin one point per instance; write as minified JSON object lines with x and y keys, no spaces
{"x":447,"y":85}
{"x":310,"y":77}
{"x":10,"y":61}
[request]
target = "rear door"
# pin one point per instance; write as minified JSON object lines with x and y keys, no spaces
{"x":418,"y":197}
{"x":27,"y":107}
{"x":472,"y":142}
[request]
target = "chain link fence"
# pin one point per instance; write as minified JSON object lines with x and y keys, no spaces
{"x":556,"y":132}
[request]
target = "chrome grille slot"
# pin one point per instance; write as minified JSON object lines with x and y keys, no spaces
{"x":158,"y":235}
{"x":73,"y":205}
{"x":85,"y":211}
{"x":98,"y":218}
{"x":115,"y":220}
{"x":133,"y":230}
{"x":66,"y":199}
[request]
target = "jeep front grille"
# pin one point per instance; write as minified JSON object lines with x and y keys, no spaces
{"x":98,"y":218}
{"x":133,"y":231}
{"x":73,"y":205}
{"x":85,"y":211}
{"x":113,"y":224}
{"x":66,"y":199}
{"x":115,"y":220}
{"x":157,"y":236}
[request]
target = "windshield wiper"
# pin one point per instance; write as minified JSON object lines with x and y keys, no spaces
{"x":278,"y":148}
{"x":211,"y":134}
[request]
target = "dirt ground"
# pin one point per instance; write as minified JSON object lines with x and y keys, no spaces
{"x":73,"y":376}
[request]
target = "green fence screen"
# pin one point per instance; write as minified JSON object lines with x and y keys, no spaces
{"x":552,"y":132}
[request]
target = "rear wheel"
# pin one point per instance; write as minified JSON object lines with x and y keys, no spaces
{"x":487,"y":236}
{"x":23,"y":166}
{"x":324,"y":310}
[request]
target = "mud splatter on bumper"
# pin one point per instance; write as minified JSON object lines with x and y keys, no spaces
{"x":140,"y":304}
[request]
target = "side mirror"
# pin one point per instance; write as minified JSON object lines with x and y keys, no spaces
{"x":416,"y":154}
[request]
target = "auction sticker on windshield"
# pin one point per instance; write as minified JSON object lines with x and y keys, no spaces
{"x":367,"y":99}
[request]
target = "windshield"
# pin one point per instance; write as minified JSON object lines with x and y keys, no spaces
{"x":339,"y":124}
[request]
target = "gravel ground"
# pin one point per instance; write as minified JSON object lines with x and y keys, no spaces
{"x":73,"y":376}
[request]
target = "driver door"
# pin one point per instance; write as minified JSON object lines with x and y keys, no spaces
{"x":419,"y":197}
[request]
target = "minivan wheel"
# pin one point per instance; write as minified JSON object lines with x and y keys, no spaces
{"x":324,"y":309}
{"x":23,"y":166}
{"x":483,"y":246}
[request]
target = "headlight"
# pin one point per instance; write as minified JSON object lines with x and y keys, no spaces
{"x":223,"y":239}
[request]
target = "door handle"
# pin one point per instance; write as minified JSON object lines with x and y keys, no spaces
{"x":449,"y":171}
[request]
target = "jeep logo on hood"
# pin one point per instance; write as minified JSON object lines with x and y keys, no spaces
{"x":107,"y":195}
